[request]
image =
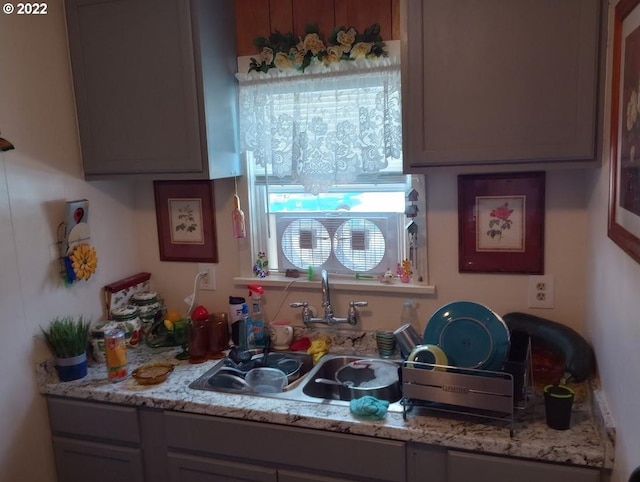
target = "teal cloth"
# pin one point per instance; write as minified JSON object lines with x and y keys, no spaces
{"x":369,"y":407}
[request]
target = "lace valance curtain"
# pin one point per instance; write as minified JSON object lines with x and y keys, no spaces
{"x":323,"y":129}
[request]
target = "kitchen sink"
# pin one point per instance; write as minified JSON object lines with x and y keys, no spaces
{"x":303,"y":389}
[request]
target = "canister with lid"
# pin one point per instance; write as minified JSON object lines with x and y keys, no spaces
{"x":148,"y":305}
{"x":126,"y":317}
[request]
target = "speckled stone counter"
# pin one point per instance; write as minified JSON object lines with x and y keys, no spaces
{"x":582,"y":444}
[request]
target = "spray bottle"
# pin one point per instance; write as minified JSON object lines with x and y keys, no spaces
{"x":256,"y":331}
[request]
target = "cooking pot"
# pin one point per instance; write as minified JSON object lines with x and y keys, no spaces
{"x":377,"y":378}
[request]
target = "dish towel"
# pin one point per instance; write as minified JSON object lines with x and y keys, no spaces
{"x":319,"y":348}
{"x":369,"y":407}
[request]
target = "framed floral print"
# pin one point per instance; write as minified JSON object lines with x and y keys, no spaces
{"x":501,"y":223}
{"x":624,"y":169}
{"x":185,"y":215}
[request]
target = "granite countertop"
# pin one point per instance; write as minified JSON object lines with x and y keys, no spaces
{"x":583,"y":444}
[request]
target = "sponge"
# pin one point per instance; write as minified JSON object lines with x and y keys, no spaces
{"x":369,"y":407}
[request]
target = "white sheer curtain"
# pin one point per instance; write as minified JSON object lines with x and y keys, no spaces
{"x":321,"y":129}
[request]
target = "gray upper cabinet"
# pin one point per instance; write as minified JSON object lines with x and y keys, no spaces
{"x":155,"y":87}
{"x":501,"y":82}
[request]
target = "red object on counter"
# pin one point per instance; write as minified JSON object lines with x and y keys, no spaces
{"x":300,"y":345}
{"x":199,"y":313}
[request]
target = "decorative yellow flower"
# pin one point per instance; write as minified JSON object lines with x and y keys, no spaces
{"x":84,"y":261}
{"x":313,"y":43}
{"x":346,"y":39}
{"x":360,"y":50}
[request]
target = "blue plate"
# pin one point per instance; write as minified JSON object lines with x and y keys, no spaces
{"x":471,"y":335}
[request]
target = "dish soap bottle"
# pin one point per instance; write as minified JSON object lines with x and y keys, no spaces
{"x":256,"y":331}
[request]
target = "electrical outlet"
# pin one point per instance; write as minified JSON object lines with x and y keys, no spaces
{"x":541,"y":291}
{"x":208,"y":281}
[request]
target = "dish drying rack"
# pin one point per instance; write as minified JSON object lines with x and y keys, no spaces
{"x":491,"y":395}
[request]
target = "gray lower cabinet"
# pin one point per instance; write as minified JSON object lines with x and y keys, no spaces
{"x":429,"y":463}
{"x":462,"y":467}
{"x":517,"y":83}
{"x":294,"y":454}
{"x":105,"y":442}
{"x":155,"y":87}
{"x":96,"y":442}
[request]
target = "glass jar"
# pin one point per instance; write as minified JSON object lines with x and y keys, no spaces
{"x":116,"y":354}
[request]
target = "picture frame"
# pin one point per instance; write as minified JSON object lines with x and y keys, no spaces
{"x":624,"y":169}
{"x":501,"y":223}
{"x":185,"y":216}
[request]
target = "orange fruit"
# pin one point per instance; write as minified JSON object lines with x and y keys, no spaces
{"x":173,"y":315}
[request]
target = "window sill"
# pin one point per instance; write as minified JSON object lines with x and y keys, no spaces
{"x":339,"y":283}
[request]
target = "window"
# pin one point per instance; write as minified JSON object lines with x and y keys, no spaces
{"x":324,"y":163}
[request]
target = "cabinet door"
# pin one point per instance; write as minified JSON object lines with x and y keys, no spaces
{"x":188,"y":468}
{"x":463,"y":467}
{"x":135,"y":86}
{"x":79,"y":461}
{"x":500,"y":82}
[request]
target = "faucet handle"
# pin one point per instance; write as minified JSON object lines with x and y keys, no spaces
{"x":306,"y":311}
{"x":353,"y":316}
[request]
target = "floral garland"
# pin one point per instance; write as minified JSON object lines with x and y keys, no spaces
{"x":284,"y":51}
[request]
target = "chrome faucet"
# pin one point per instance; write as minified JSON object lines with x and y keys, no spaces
{"x":329,"y":318}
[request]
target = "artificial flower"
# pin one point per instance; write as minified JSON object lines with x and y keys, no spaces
{"x":84,"y":261}
{"x":334,"y":54}
{"x":282,"y":61}
{"x":266,"y":55}
{"x":285,"y":51}
{"x":361,"y":50}
{"x":313,"y":44}
{"x":346,"y":39}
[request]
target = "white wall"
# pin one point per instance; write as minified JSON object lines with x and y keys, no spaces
{"x":613,"y":313}
{"x":36,"y":179}
{"x":565,"y":254}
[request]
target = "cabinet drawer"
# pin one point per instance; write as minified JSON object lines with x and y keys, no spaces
{"x":97,"y":420}
{"x":462,"y":467}
{"x":81,"y":460}
{"x":276,"y":444}
{"x":188,"y":468}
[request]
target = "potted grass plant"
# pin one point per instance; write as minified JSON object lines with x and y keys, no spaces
{"x":68,"y":338}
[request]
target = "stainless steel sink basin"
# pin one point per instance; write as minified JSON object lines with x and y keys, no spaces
{"x":304,"y":389}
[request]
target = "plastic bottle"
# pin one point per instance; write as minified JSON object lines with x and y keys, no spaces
{"x":243,"y":342}
{"x":235,"y":316}
{"x":256,"y":329}
{"x":237,"y":219}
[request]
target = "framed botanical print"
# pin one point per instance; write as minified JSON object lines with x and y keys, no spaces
{"x":501,"y":223}
{"x":185,"y":214}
